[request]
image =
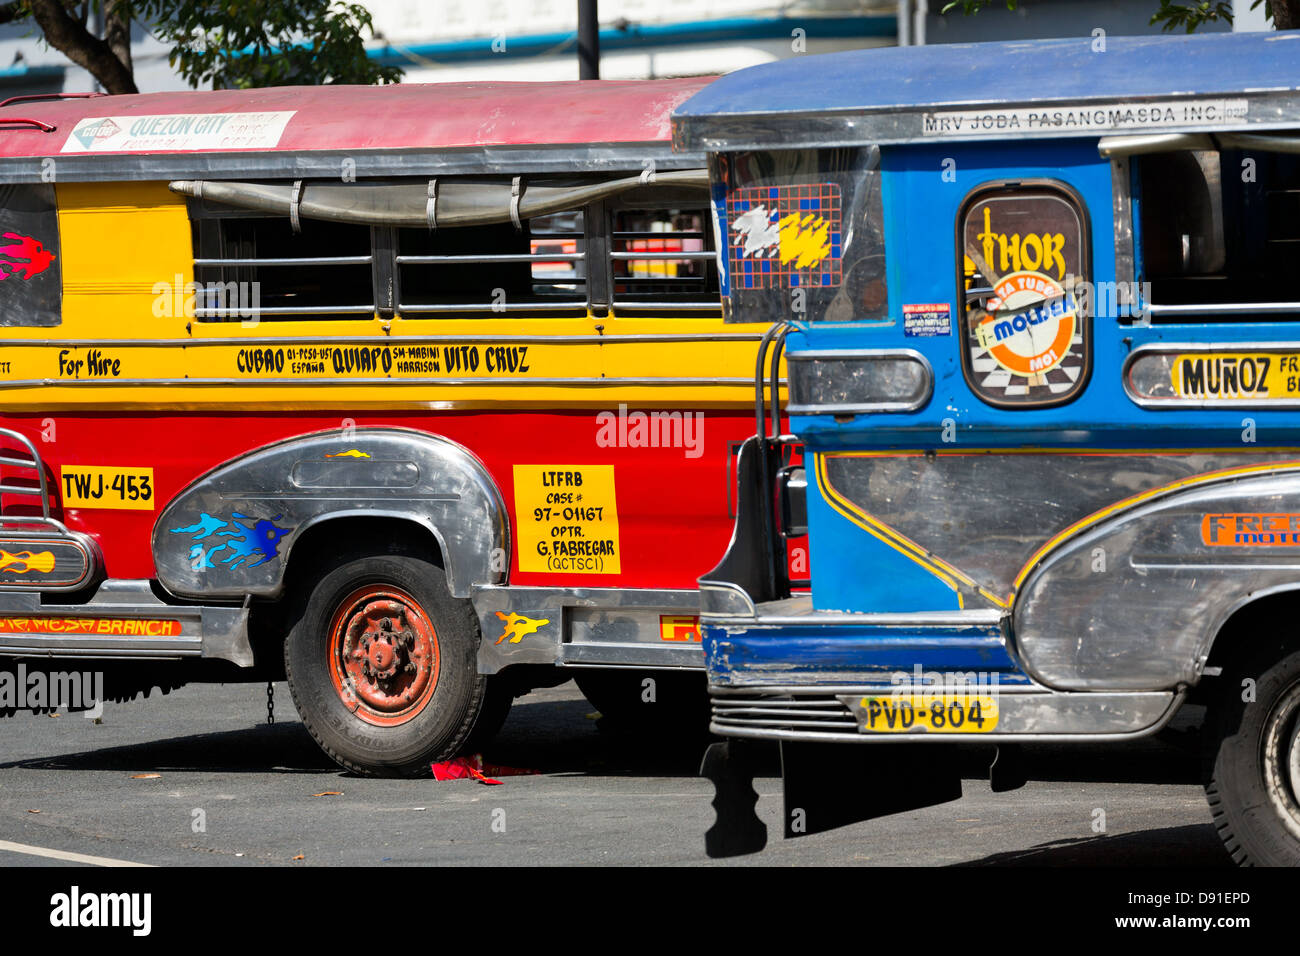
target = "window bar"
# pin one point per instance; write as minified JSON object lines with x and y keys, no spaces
{"x":313,"y":261}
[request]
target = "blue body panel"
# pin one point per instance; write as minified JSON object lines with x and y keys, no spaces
{"x":855,"y":654}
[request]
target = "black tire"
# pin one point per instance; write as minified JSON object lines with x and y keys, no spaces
{"x":680,"y":697}
{"x":345,"y":613}
{"x":498,"y":698}
{"x":1253,"y":783}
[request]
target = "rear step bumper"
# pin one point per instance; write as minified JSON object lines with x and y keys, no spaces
{"x":832,"y":714}
{"x":124,"y":620}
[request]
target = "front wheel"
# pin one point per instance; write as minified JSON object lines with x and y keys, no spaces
{"x":381,"y":665}
{"x":1254,"y":782}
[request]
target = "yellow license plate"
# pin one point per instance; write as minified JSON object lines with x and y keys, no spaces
{"x":86,"y":486}
{"x":928,"y":714}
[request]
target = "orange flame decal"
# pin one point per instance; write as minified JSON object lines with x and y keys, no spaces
{"x":519,"y":626}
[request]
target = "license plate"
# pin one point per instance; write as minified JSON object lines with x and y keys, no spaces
{"x":86,"y":486}
{"x":928,"y":714}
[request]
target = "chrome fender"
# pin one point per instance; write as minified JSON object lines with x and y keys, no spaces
{"x":1135,"y":600}
{"x":231,"y":532}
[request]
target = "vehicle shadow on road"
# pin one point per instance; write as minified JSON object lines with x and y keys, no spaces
{"x":570,"y":737}
{"x":1196,"y":845}
{"x":263,"y":748}
{"x":567,"y":737}
{"x":553,"y":737}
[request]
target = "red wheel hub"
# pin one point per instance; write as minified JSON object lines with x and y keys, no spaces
{"x":383,"y":654}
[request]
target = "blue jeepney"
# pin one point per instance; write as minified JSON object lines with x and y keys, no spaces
{"x":1035,"y":318}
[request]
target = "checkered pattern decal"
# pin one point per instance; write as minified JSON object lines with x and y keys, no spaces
{"x":995,"y":382}
{"x":773,"y":229}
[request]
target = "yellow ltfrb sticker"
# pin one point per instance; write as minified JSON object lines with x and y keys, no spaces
{"x":1237,"y":375}
{"x":928,"y":713}
{"x":93,"y":486}
{"x":567,"y":518}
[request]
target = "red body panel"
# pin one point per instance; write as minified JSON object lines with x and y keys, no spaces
{"x":672,"y":510}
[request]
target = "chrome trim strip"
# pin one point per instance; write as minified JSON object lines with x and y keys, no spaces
{"x":502,"y":257}
{"x":1265,"y":144}
{"x":826,"y":129}
{"x":149,"y":648}
{"x":1122,"y":215}
{"x":668,"y":256}
{"x":369,"y":163}
{"x":336,"y":381}
{"x":675,"y":656}
{"x":595,"y":338}
{"x":312,"y":261}
{"x":977,"y":617}
{"x":861,"y":358}
{"x":573,"y":305}
{"x":1224,"y":308}
{"x":539,"y":596}
{"x":1176,"y":348}
{"x":722,"y":598}
{"x":230,"y":311}
{"x":667,"y":306}
{"x":857,"y":738}
{"x":1118,"y":147}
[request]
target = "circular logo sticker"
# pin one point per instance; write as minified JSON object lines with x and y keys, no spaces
{"x":1030,"y":323}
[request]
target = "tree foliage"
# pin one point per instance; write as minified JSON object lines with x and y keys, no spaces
{"x":228,"y":43}
{"x":1284,"y":14}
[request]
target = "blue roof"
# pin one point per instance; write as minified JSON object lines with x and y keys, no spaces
{"x":1021,"y":73}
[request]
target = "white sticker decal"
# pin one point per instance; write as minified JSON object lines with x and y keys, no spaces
{"x":177,"y":132}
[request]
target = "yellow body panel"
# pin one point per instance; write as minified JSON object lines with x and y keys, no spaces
{"x":126,"y":341}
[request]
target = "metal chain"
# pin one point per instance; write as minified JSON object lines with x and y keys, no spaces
{"x":270,"y":702}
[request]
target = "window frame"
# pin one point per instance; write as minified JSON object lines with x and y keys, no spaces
{"x":973,"y":197}
{"x":598,"y":256}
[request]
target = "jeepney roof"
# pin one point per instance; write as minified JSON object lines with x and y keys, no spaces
{"x":307,"y":130}
{"x":1078,"y":86}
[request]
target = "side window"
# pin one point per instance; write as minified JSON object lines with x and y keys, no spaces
{"x":539,"y":268}
{"x":1218,"y":229}
{"x":647,"y":250}
{"x":805,"y":237}
{"x":31,"y":292}
{"x":664,"y":259}
{"x":249,"y":265}
{"x":1026,"y":336}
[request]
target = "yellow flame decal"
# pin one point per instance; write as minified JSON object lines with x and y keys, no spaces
{"x":805,"y":240}
{"x":40,"y":561}
{"x":350,"y":453}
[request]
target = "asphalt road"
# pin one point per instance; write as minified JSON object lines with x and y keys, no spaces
{"x":199,"y":778}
